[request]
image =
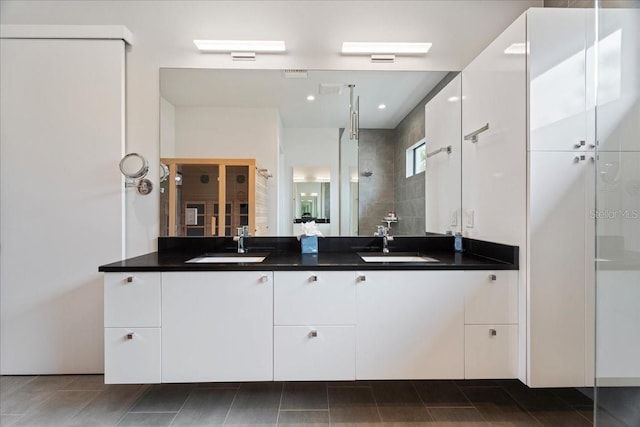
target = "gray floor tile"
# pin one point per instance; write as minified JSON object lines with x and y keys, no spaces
{"x":157,"y":419}
{"x":33,"y":393}
{"x":560,"y":418}
{"x":398,"y":401}
{"x":349,"y":383}
{"x":441,"y":394}
{"x":58,"y":409}
{"x":572,"y":396}
{"x":304,"y":418}
{"x":496,"y":405}
{"x":256,"y":404}
{"x":109,"y":406}
{"x":304,"y":395}
{"x":205,"y":407}
{"x":9,"y":420}
{"x":12,"y":383}
{"x":534,"y":398}
{"x":352,"y":405}
{"x":163,"y":398}
{"x":218,"y":385}
{"x":87,"y":382}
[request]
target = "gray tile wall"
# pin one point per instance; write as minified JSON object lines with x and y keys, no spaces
{"x":409,"y":193}
{"x":376,"y":192}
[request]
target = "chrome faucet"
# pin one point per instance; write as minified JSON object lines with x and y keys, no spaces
{"x":243,"y":233}
{"x":386,"y":237}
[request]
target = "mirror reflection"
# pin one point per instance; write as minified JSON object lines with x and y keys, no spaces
{"x":286,"y":121}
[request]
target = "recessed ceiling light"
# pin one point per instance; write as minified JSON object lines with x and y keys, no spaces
{"x":240,"y":45}
{"x":381,"y":107}
{"x":397,"y":48}
{"x":516,"y":49}
{"x":310,"y":97}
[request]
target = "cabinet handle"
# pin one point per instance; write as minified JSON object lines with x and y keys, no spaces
{"x":130,"y":335}
{"x":313,"y":334}
{"x":493,"y":332}
{"x":313,"y":278}
{"x":362,"y":278}
{"x":592,"y":145}
{"x":129,"y":279}
{"x":581,"y":144}
{"x":264,"y":278}
{"x":493,"y":277}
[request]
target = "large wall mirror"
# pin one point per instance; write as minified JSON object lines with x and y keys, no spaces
{"x":292,"y":129}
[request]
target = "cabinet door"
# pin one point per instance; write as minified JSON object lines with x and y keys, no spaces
{"x":493,"y":168}
{"x":314,"y":297}
{"x":410,"y":325}
{"x":491,"y":297}
{"x":132,"y":300}
{"x":217,"y":326}
{"x":557,"y":269}
{"x":443,"y":122}
{"x":131,"y":355}
{"x":557,"y":82}
{"x":491,"y":351}
{"x":310,"y":353}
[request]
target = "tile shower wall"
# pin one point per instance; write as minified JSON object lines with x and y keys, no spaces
{"x":376,"y":192}
{"x":409,"y":193}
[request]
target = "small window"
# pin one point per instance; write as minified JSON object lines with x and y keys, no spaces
{"x":416,"y":158}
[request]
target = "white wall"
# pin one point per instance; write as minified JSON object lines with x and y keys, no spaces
{"x":232,"y":133}
{"x":316,"y":147}
{"x":167,"y":129}
{"x":163,"y":33}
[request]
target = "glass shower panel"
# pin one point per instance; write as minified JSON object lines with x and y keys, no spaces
{"x":617,"y":216}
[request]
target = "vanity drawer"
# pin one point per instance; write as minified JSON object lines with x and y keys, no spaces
{"x":132,"y":355}
{"x":314,"y":297}
{"x":132,"y":300}
{"x":491,"y":297}
{"x":490,"y":351}
{"x":308,"y":353}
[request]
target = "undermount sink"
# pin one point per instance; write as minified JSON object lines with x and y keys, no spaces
{"x":395,"y":257}
{"x":227,"y":259}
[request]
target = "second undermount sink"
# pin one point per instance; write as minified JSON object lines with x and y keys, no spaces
{"x":227,"y":259}
{"x":395,"y":257}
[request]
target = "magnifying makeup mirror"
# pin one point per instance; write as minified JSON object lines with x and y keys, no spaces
{"x":135,"y":167}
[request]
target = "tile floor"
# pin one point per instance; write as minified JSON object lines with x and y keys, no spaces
{"x":83,"y":400}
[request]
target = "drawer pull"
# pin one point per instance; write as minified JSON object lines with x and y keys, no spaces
{"x":313,"y":278}
{"x":493,"y":277}
{"x":362,"y":278}
{"x":493,"y":332}
{"x":129,"y":279}
{"x":264,"y":278}
{"x":313,"y":334}
{"x":130,"y":335}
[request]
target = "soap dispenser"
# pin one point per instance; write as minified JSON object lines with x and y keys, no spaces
{"x":457,"y":242}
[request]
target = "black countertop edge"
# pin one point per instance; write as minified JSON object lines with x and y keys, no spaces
{"x":335,"y":253}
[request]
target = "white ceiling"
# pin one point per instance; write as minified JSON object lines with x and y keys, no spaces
{"x":400,"y":91}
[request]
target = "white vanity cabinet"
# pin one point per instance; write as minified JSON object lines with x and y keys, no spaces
{"x":314,"y":325}
{"x":217,"y":326}
{"x":491,"y":324}
{"x":410,"y":325}
{"x":132,"y":328}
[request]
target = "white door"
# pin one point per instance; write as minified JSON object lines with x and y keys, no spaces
{"x":217,"y":326}
{"x":410,"y":325}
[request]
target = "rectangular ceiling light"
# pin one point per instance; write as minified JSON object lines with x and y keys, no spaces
{"x":516,"y":49}
{"x":240,"y":45}
{"x":394,"y":48}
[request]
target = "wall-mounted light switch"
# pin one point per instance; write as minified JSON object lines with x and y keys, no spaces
{"x":470,"y":218}
{"x":454,"y":218}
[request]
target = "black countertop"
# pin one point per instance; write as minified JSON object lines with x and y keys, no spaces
{"x":335,"y":253}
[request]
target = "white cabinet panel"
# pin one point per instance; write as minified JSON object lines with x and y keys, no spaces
{"x":493,"y":173}
{"x":217,"y":326}
{"x":491,"y":297}
{"x":443,"y":127}
{"x":410,"y":325}
{"x":314,"y":297}
{"x":557,"y":291}
{"x":491,"y":351}
{"x":132,"y":300}
{"x":309,"y":353}
{"x":132,"y":355}
{"x":557,"y":81}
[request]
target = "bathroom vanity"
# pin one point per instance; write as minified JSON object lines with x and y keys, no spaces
{"x":330,"y":316}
